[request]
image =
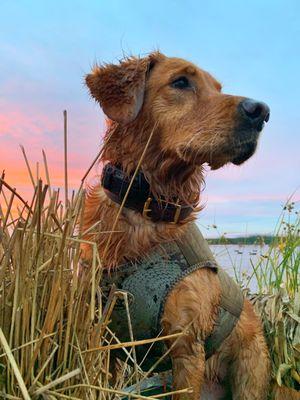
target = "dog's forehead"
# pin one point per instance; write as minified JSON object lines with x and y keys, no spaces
{"x":169,"y":67}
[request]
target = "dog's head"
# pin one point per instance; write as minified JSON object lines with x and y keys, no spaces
{"x":194,"y":121}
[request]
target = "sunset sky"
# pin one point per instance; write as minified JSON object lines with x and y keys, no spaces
{"x":252,"y":47}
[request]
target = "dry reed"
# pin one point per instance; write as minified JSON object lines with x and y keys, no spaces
{"x":54,"y":332}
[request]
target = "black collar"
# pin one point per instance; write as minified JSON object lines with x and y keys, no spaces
{"x":115,"y":184}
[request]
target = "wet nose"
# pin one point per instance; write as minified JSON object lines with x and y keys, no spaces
{"x":256,"y":111}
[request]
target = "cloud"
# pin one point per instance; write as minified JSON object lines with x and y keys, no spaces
{"x":37,"y":130}
{"x":18,"y":125}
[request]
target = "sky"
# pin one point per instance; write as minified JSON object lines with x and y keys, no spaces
{"x":252,"y":47}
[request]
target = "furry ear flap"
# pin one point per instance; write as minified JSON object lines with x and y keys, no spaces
{"x":120,"y":88}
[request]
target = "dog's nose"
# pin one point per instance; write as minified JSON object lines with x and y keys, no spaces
{"x":256,"y":111}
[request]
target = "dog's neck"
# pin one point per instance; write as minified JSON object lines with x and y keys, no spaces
{"x":134,"y":192}
{"x":134,"y":235}
{"x":168,"y":175}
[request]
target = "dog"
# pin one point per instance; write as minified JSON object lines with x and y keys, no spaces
{"x":168,"y":118}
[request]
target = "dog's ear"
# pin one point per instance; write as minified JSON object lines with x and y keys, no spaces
{"x":120,"y":88}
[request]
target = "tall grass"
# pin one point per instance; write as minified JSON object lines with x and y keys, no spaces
{"x":276,"y":275}
{"x":280,"y":267}
{"x":278,"y":302}
{"x":54,"y":332}
{"x":55,"y":341}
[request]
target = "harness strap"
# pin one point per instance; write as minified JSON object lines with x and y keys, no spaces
{"x":230,"y":309}
{"x":194,"y":247}
{"x":197,"y":253}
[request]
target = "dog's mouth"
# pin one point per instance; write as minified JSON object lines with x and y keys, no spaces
{"x":239,"y":146}
{"x":245,"y":143}
{"x":239,"y":149}
{"x":244,"y":152}
{"x":236,"y":152}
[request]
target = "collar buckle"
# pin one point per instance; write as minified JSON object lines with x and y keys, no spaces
{"x":146,"y":208}
{"x":177,"y":212}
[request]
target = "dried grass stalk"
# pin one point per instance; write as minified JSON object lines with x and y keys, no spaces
{"x":54,"y":333}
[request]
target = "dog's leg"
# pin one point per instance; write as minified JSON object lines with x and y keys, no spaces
{"x":191,"y":308}
{"x":250,"y":369}
{"x":188,"y":367}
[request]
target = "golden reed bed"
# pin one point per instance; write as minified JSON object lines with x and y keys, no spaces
{"x":54,"y":332}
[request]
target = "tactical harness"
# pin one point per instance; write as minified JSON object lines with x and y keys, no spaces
{"x":148,"y":283}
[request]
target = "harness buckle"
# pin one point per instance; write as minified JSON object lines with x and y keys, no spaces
{"x":146,"y":208}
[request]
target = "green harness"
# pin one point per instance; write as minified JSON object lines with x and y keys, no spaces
{"x":148,"y":283}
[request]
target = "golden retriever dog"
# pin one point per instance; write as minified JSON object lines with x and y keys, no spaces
{"x":168,"y":118}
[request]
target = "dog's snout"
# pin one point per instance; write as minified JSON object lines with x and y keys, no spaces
{"x":256,"y":111}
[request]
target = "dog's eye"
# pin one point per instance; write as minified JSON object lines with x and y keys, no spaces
{"x":181,"y":83}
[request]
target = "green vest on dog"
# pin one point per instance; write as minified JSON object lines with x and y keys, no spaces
{"x":148,"y":283}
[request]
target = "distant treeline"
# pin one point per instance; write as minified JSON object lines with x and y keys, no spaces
{"x":255,"y":239}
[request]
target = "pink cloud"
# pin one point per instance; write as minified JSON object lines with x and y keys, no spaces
{"x":20,"y":125}
{"x":36,"y":130}
{"x":247,"y":197}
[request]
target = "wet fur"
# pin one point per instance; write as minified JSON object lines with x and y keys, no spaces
{"x":190,"y":129}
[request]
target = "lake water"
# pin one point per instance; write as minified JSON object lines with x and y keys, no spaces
{"x":240,"y":258}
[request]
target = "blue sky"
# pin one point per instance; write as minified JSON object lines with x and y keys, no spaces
{"x":252,"y":47}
